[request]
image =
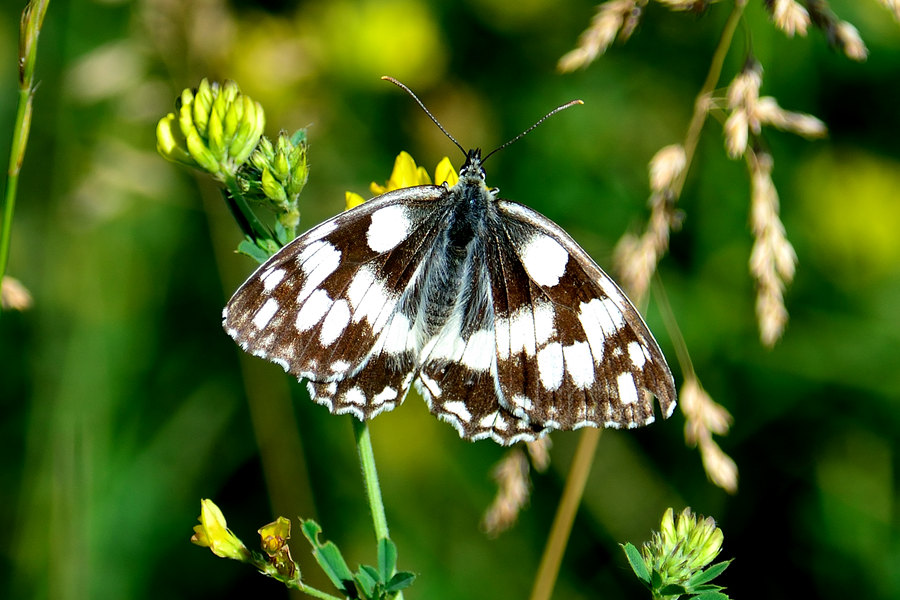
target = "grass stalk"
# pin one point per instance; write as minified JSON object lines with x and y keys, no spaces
{"x":32,"y":20}
{"x":584,"y":455}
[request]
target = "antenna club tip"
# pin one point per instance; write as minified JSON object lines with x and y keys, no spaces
{"x":574,"y":101}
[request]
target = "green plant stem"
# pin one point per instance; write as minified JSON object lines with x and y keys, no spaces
{"x":370,"y":478}
{"x":702,"y":101}
{"x":248,"y":222}
{"x":565,"y":515}
{"x":584,"y":456}
{"x":671,"y":324}
{"x":32,"y":20}
{"x":311,"y":591}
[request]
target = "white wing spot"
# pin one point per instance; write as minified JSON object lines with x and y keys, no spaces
{"x":521,"y":332}
{"x":431,"y":385}
{"x":355,"y":396}
{"x":487,"y":421}
{"x":544,"y":259}
{"x":458,"y":408}
{"x":579,"y":365}
{"x":479,"y":353}
{"x":272,"y":278}
{"x":335,"y":322}
{"x":523,"y":403}
{"x":318,"y":261}
{"x":395,"y":337}
{"x":544,"y":325}
{"x":388,"y":393}
{"x":501,"y":333}
{"x":312,"y":310}
{"x":340,"y":366}
{"x":628,"y":393}
{"x":370,"y":300}
{"x":636,"y":353}
{"x":550,"y":366}
{"x":265,"y":313}
{"x":590,"y":315}
{"x":615,"y":318}
{"x":359,"y":287}
{"x":389,"y":227}
{"x":321,"y":231}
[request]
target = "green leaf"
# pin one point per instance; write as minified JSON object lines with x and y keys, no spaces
{"x":250,"y":249}
{"x":655,"y":580}
{"x":709,"y":574}
{"x":367,"y":579}
{"x":636,"y":562}
{"x":710,"y":596}
{"x":329,"y":557}
{"x":387,"y":558}
{"x":706,"y":587}
{"x":372,"y":572}
{"x":400,"y":581}
{"x":672,"y":589}
{"x":282,"y":235}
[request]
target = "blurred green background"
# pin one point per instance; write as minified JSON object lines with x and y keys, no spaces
{"x":124,"y":402}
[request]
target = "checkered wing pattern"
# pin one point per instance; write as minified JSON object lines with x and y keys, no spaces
{"x":335,"y":305}
{"x":502,"y":322}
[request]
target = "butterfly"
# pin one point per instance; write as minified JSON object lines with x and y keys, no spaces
{"x":501,"y":321}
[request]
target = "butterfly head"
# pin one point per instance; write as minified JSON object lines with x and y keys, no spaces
{"x":472,"y":168}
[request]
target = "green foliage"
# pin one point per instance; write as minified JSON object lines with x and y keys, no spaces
{"x":676,"y":561}
{"x":369,"y":583}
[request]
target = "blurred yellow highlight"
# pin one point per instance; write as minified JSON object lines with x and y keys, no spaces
{"x":849,"y":203}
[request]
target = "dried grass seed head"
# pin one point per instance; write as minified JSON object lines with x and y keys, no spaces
{"x":789,"y":16}
{"x":666,"y":167}
{"x":612,"y":17}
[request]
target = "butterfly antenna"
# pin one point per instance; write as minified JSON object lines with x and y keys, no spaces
{"x":427,"y":112}
{"x":539,"y":121}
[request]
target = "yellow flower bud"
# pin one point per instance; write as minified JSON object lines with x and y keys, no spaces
{"x":219,"y":127}
{"x":214,"y":534}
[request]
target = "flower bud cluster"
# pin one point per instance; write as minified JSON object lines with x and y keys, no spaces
{"x":214,"y":128}
{"x":682,"y":548}
{"x":277,"y":173}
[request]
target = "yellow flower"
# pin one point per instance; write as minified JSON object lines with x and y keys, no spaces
{"x":407,"y":174}
{"x":273,"y":538}
{"x":213,"y":533}
{"x":275,"y":535}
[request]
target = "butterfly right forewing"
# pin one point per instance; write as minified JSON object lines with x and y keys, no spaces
{"x":572,"y":350}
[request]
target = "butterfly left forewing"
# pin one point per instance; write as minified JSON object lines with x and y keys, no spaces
{"x":572,"y":350}
{"x":329,"y":305}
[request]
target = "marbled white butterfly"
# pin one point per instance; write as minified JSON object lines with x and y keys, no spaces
{"x":504,"y":324}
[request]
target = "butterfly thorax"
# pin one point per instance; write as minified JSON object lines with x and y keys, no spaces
{"x":450,"y":283}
